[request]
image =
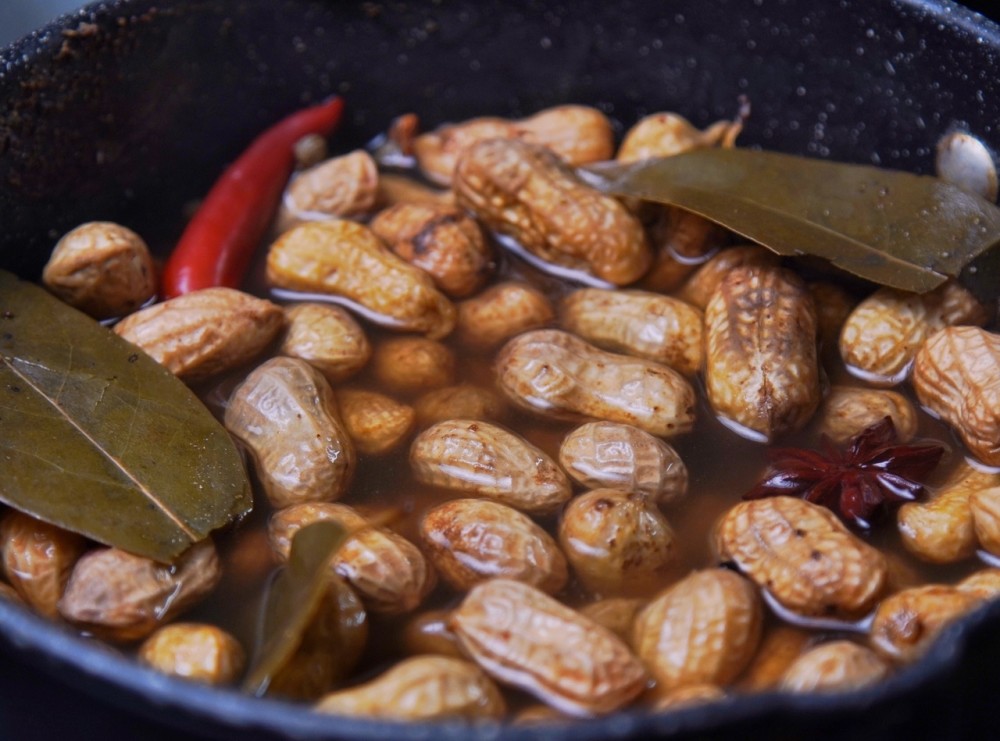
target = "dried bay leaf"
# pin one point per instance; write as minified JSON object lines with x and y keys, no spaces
{"x":302,"y":588}
{"x":99,"y":438}
{"x":894,"y":228}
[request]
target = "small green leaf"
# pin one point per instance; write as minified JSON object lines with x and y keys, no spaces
{"x":894,"y":228}
{"x":292,"y":601}
{"x":99,"y":438}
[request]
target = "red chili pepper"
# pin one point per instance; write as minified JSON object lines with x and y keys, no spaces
{"x":216,"y":247}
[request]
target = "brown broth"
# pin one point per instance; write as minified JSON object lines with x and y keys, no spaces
{"x":721,"y":465}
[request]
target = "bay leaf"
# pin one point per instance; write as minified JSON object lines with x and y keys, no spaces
{"x":98,"y":438}
{"x":895,"y":228}
{"x":292,"y":600}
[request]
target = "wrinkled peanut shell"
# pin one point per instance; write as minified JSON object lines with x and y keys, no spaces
{"x":761,"y":369}
{"x":523,"y":637}
{"x":204,"y":333}
{"x":103,"y":269}
{"x":423,"y":688}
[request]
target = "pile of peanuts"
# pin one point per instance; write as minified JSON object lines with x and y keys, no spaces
{"x":541,"y":581}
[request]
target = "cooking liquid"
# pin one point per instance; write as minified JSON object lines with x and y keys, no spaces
{"x":721,"y":466}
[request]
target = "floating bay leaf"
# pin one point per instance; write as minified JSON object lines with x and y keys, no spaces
{"x":894,"y":228}
{"x":292,"y":601}
{"x":99,"y":438}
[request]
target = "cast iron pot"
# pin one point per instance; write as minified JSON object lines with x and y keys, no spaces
{"x":128,"y":110}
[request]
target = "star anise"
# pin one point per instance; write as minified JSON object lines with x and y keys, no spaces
{"x":858,"y":483}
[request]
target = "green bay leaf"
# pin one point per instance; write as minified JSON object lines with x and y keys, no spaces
{"x":292,"y":600}
{"x":98,"y":438}
{"x":894,"y":228}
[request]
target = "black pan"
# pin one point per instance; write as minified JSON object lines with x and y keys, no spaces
{"x":129,"y":109}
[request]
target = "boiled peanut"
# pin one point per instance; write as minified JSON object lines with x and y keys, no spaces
{"x":617,"y":614}
{"x":407,"y":365}
{"x":616,"y":542}
{"x":665,"y":134}
{"x":376,"y":423}
{"x":523,"y":637}
{"x":609,"y":455}
{"x":486,"y":460}
{"x":837,"y":666}
{"x":803,"y":555}
{"x":248,"y":562}
{"x":647,"y":325}
{"x":847,"y":410}
{"x":527,"y":193}
{"x":285,"y":413}
{"x":681,"y":241}
{"x":102,"y":268}
{"x":577,"y":134}
{"x":345,"y":259}
{"x":195,"y":651}
{"x":332,"y":642}
{"x":327,"y":337}
{"x":204,"y":333}
{"x":122,"y":597}
{"x":428,"y":633}
{"x":703,"y":629}
{"x":284,"y":523}
{"x":884,"y":332}
{"x":906,"y":623}
{"x":310,"y":150}
{"x":681,"y":237}
{"x":942,"y":530}
{"x":396,"y":189}
{"x":984,"y":583}
{"x":667,"y":274}
{"x":389,"y":573}
{"x":437,"y":151}
{"x":833,"y":306}
{"x":441,"y":240}
{"x":464,"y":401}
{"x":38,"y":558}
{"x":557,"y":375}
{"x":472,"y":540}
{"x":537,"y":714}
{"x":761,"y":370}
{"x":956,"y":375}
{"x":422,"y":688}
{"x":500,"y":312}
{"x":778,"y":649}
{"x":964,"y":160}
{"x":985,"y":507}
{"x":698,"y":289}
{"x":345,"y":186}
